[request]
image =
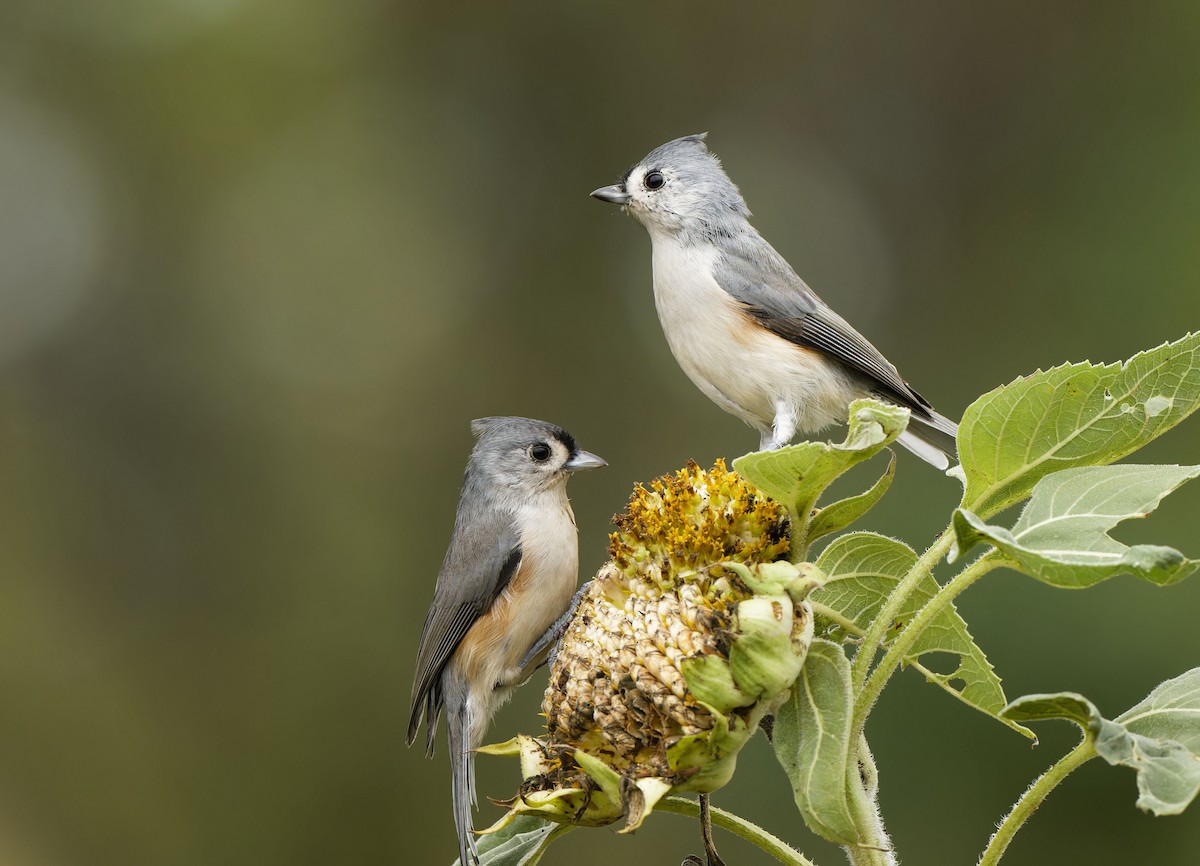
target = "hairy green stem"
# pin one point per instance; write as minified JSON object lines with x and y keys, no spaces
{"x":752,"y":833}
{"x":1032,"y":799}
{"x":874,"y":636}
{"x":798,"y":542}
{"x":862,"y":788}
{"x":912,"y":632}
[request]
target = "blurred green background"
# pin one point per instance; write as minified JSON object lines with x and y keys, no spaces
{"x":261,"y":262}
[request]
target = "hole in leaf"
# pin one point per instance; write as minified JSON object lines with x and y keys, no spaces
{"x":944,"y":664}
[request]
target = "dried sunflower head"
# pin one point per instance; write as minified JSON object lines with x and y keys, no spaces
{"x":691,"y":633}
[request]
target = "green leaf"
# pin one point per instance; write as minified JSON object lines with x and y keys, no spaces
{"x":1159,"y":738}
{"x":838,"y":515}
{"x":1171,"y":711}
{"x":1071,"y":706}
{"x":521,"y":843}
{"x":795,"y":476}
{"x":812,"y":742}
{"x":1074,"y":415}
{"x":861,"y":570}
{"x":1061,"y":537}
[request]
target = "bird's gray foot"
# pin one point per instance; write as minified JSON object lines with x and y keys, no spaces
{"x":552,"y":637}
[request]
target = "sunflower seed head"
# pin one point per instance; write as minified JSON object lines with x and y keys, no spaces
{"x":694,"y":629}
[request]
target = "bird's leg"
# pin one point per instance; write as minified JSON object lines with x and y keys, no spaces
{"x":783,"y":427}
{"x":710,"y":850}
{"x":552,"y":637}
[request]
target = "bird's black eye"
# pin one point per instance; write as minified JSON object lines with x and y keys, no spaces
{"x":654,"y":180}
{"x":540,"y":452}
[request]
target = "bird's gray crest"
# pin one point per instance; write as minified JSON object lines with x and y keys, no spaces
{"x":501,"y":445}
{"x":698,"y":187}
{"x":506,"y":426}
{"x":680,"y":143}
{"x":481,"y":426}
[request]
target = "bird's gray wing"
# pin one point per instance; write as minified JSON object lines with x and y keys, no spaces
{"x":760,"y":279}
{"x":483,"y":556}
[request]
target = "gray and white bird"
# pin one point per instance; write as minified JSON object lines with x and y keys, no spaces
{"x":509,"y":574}
{"x":743,"y":326}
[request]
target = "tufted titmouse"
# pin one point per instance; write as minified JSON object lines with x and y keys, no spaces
{"x":743,"y":326}
{"x":508,"y":575}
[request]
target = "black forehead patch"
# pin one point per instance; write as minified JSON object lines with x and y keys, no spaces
{"x":566,"y":439}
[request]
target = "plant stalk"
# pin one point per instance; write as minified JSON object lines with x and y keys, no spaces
{"x":874,"y":636}
{"x":863,"y":799}
{"x":752,"y":833}
{"x":912,"y":631}
{"x":798,"y":542}
{"x":1032,"y":799}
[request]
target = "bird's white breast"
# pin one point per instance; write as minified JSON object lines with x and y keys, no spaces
{"x":739,"y":365}
{"x":550,"y":562}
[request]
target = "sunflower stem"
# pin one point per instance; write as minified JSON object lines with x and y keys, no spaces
{"x":1032,"y":799}
{"x":873,"y":687}
{"x":873,"y":639}
{"x":751,"y":832}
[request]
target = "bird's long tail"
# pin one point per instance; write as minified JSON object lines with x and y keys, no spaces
{"x":462,"y":768}
{"x":932,"y":438}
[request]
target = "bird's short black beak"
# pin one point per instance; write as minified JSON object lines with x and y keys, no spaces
{"x":615,"y":194}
